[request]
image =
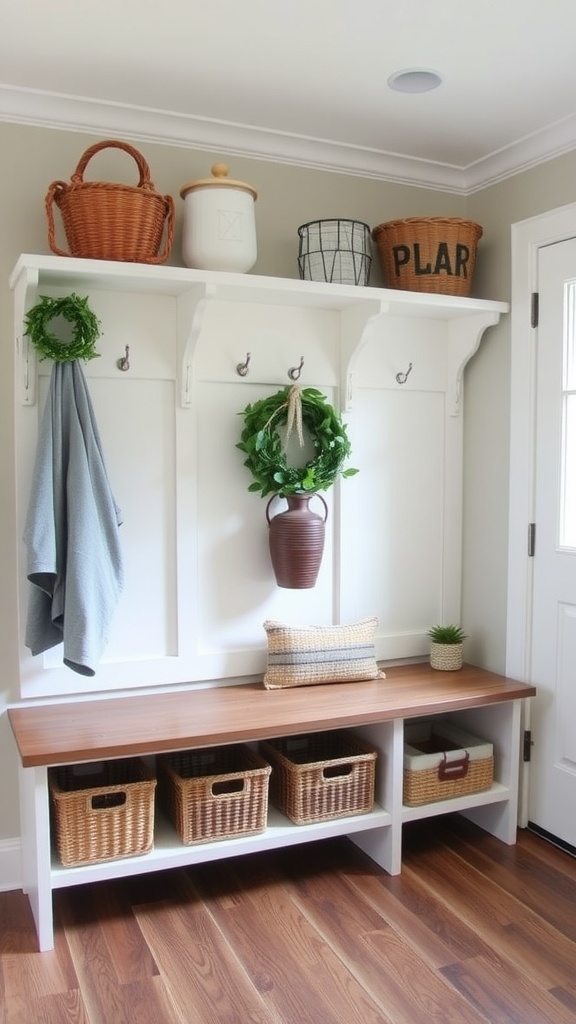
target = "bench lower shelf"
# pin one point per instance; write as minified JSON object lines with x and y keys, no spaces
{"x":169,"y":852}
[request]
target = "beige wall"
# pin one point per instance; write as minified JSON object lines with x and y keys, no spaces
{"x":288,"y":196}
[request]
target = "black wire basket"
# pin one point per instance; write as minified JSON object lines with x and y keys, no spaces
{"x":338,"y":251}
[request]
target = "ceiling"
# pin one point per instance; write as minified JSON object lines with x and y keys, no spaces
{"x":305,"y":81}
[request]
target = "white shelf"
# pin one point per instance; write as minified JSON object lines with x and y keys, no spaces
{"x":117,"y":276}
{"x":495,"y":794}
{"x":358,"y":308}
{"x":169,"y":852}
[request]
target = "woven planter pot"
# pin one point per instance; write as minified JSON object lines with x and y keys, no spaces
{"x":428,"y":254}
{"x":446,"y":657}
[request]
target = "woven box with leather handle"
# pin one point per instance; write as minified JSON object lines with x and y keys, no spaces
{"x":442,"y":761}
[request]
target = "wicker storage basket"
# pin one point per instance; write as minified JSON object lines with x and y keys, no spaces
{"x":321,"y":776}
{"x":214,"y":793}
{"x":102,"y":811}
{"x":105,"y":221}
{"x":428,"y":254}
{"x":442,"y":761}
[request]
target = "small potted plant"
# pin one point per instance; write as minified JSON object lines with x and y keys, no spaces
{"x":446,"y":647}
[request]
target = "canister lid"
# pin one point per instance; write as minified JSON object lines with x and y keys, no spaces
{"x":219,"y":177}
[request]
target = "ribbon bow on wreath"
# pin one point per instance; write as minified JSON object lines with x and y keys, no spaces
{"x":294,"y":415}
{"x":266,"y":455}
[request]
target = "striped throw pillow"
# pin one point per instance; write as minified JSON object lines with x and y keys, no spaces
{"x":307,"y":655}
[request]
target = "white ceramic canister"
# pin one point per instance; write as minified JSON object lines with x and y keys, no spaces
{"x":219,"y":231}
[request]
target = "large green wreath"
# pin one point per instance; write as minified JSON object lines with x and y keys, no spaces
{"x":85,"y":332}
{"x":266,"y":456}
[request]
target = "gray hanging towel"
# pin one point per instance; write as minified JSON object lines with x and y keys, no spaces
{"x":74,"y":557}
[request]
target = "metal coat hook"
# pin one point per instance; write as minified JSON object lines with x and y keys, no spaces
{"x":295,"y":371}
{"x":124,"y":363}
{"x":242,"y":368}
{"x":403,"y":377}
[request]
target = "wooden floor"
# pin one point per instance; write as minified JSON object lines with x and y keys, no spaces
{"x":472,"y":931}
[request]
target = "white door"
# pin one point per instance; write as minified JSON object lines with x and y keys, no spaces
{"x":552,"y":792}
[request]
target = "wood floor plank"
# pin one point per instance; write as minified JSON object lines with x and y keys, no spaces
{"x":472,"y":932}
{"x":106,"y":999}
{"x":391,"y":968}
{"x":567,"y":998}
{"x":17,"y":934}
{"x":549,"y":854}
{"x":26,"y":974}
{"x":62,"y":1008}
{"x":277,"y":944}
{"x":547,"y":884}
{"x":510,"y":927}
{"x":505,"y":994}
{"x":416,"y":914}
{"x":111,"y":904}
{"x":3,"y":1003}
{"x":199,"y":969}
{"x":148,"y":1001}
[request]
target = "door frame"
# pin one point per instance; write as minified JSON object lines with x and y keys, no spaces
{"x":528,"y":236}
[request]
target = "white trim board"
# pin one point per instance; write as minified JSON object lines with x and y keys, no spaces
{"x":527,"y":237}
{"x":10,"y":865}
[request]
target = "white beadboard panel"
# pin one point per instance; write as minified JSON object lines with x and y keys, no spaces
{"x":397,"y":501}
{"x":138,"y":435}
{"x":135,"y":415}
{"x":136,"y":423}
{"x":237,"y":590}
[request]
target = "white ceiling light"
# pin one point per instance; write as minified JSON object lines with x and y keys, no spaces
{"x":414,"y":80}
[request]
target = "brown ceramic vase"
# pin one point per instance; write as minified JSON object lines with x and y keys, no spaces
{"x":296,"y":539}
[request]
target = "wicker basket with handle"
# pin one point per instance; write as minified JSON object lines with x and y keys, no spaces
{"x":108,"y":221}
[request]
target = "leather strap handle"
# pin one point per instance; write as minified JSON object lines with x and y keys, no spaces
{"x":457,"y":769}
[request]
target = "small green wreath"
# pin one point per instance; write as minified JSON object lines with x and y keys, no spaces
{"x":85,"y":332}
{"x":266,"y":453}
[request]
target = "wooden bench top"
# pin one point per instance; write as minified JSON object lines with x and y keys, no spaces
{"x":112,"y":727}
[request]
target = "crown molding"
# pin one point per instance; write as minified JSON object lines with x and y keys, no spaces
{"x":142,"y":124}
{"x":553,"y":141}
{"x":139,"y":124}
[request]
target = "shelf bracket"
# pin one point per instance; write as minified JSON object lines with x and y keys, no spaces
{"x":356,"y":324}
{"x":192,"y":306}
{"x":25,"y":294}
{"x":464,"y":337}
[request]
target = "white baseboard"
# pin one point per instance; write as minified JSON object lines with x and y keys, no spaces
{"x":10,"y":865}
